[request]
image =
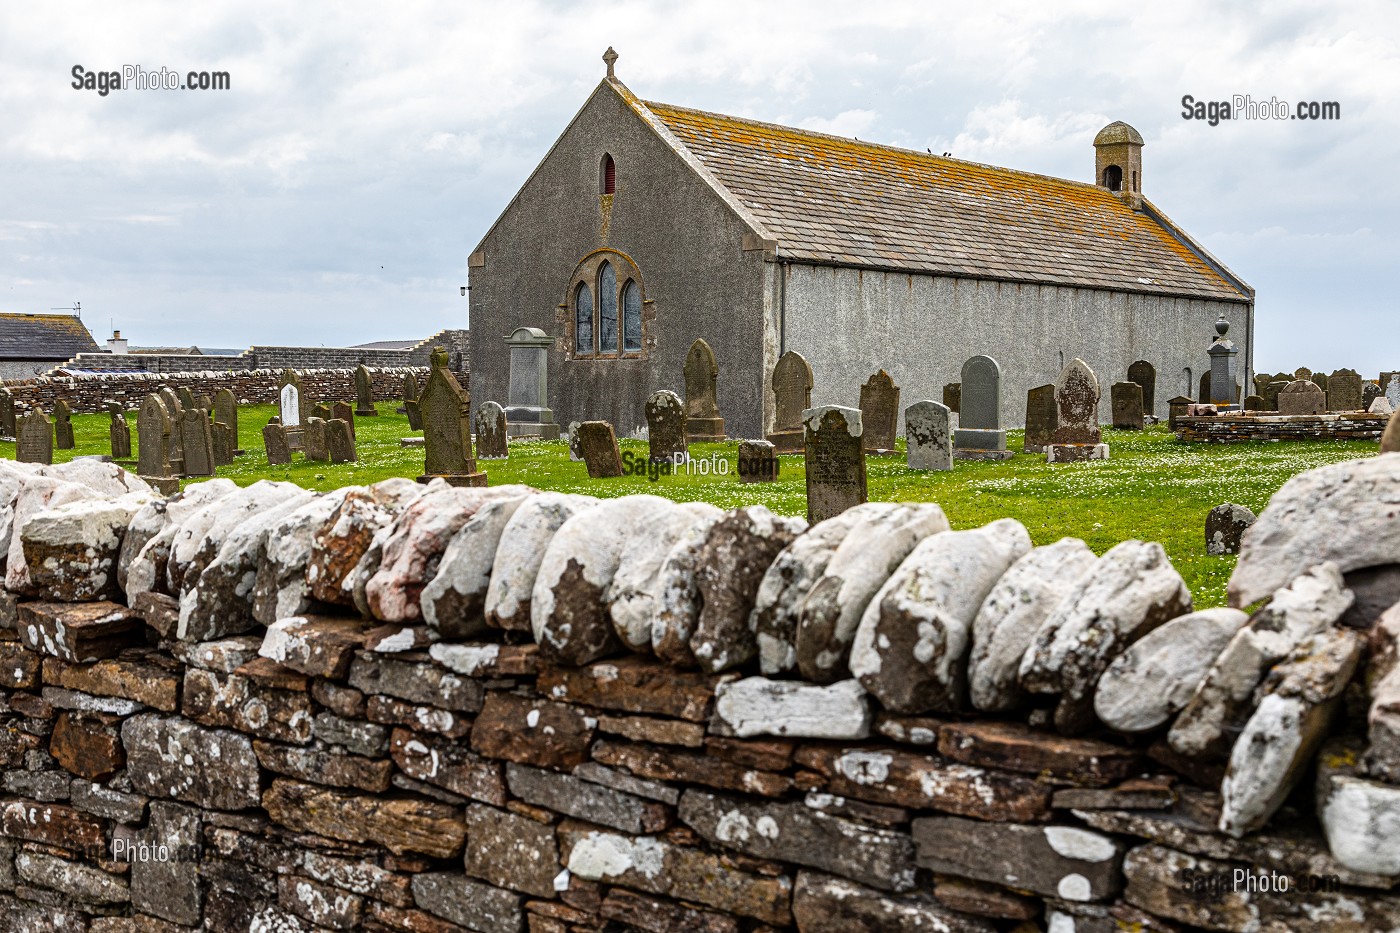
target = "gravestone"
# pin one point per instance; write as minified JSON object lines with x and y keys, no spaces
{"x":1302,"y":372}
{"x":571,"y":440}
{"x":279,"y":452}
{"x":598,"y":447}
{"x":1254,"y":403}
{"x":34,"y":438}
{"x":527,"y":404}
{"x":7,"y":415}
{"x":1380,"y":405}
{"x":1176,"y":408}
{"x":1225,"y":526}
{"x":1271,"y":392}
{"x":447,"y":440}
{"x":119,"y":432}
{"x":1301,"y":397}
{"x":1369,"y":393}
{"x":1128,"y":406}
{"x":314,"y":443}
{"x":63,"y":425}
{"x":1042,"y":417}
{"x":666,"y":428}
{"x":491,"y":443}
{"x":834,"y":455}
{"x":879,"y":412}
{"x":1344,"y":391}
{"x":410,"y":392}
{"x":197,"y":441}
{"x":292,"y":408}
{"x":155,"y":432}
{"x":226,"y":411}
{"x":321,"y":410}
{"x":1321,"y":381}
{"x":702,"y":418}
{"x":1392,"y":391}
{"x":340,"y":441}
{"x":344,"y":412}
{"x":792,"y":395}
{"x":364,"y":393}
{"x":1077,"y":436}
{"x":223,"y":438}
{"x":980,"y":435}
{"x":928,"y":432}
{"x":1145,"y":375}
{"x":415,"y":418}
{"x":204,"y":403}
{"x":172,"y":402}
{"x":186,"y":397}
{"x":952,"y":397}
{"x":758,"y":462}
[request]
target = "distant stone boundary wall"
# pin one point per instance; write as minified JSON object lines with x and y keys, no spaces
{"x":429,"y":709}
{"x":91,"y":393}
{"x":457,"y":342}
{"x":1234,"y":429}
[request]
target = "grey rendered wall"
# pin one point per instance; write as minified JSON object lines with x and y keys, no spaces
{"x":685,"y":241}
{"x":849,"y":324}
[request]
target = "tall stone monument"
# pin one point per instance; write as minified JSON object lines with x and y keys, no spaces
{"x":491,"y":432}
{"x":702,"y":418}
{"x":879,"y":412}
{"x":119,"y":432}
{"x":7,"y":415}
{"x":792,"y":395}
{"x":834,"y":455}
{"x":34,"y":438}
{"x":1145,"y":375}
{"x":447,"y":437}
{"x":527,"y":402}
{"x":666,"y":428}
{"x":364,"y":393}
{"x":1042,"y":418}
{"x":226,"y":412}
{"x":1223,"y":370}
{"x":63,"y":425}
{"x":980,"y":435}
{"x":928,"y":431}
{"x":1077,"y":436}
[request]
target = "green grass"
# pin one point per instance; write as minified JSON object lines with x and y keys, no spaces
{"x":1152,"y":488}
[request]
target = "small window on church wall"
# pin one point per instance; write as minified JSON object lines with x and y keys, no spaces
{"x":607,"y":308}
{"x":631,"y":316}
{"x":1113,"y":178}
{"x":609,"y":175}
{"x":583,"y":319}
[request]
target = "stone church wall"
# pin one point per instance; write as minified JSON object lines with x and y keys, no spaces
{"x":271,"y":709}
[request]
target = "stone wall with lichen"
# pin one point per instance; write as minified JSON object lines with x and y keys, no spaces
{"x":428,"y":709}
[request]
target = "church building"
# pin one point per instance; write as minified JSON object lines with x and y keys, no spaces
{"x":648,"y":225}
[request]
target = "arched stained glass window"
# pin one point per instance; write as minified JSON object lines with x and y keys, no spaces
{"x":583,"y":319}
{"x":631,"y":316}
{"x":607,"y":308}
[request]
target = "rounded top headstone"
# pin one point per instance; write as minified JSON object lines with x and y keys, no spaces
{"x":1077,"y":394}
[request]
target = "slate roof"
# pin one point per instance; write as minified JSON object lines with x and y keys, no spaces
{"x":829,"y":199}
{"x":43,"y":337}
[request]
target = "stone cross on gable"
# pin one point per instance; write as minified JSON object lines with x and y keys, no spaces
{"x":610,"y":57}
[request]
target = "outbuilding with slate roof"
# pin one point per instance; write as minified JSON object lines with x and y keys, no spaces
{"x":33,"y":344}
{"x":648,"y":225}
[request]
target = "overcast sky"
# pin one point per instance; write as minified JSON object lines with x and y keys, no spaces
{"x":333,"y":194}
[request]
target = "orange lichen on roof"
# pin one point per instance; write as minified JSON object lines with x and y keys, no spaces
{"x":832,"y":199}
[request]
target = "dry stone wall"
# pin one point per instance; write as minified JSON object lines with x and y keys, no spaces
{"x":428,"y":709}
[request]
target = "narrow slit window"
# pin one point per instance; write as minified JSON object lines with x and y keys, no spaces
{"x":609,"y":175}
{"x":607,"y":308}
{"x":631,"y":317}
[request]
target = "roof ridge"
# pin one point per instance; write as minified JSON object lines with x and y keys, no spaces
{"x":847,"y":140}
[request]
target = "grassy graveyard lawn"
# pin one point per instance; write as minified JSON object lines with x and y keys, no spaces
{"x":1152,"y":488}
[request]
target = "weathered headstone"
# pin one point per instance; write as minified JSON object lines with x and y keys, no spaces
{"x":340,"y":441}
{"x":1322,"y":381}
{"x":1380,"y":405}
{"x":702,"y":418}
{"x":364,"y":393}
{"x":223,"y":438}
{"x":834,"y":455}
{"x":1254,"y":403}
{"x":204,"y":402}
{"x":1145,"y":375}
{"x":197,"y":441}
{"x":171,"y":401}
{"x":491,"y":443}
{"x":571,"y":439}
{"x":1225,"y":526}
{"x":1077,"y":437}
{"x":1271,"y":393}
{"x":415,"y":416}
{"x":792,"y":395}
{"x":952,"y":397}
{"x":1392,"y":391}
{"x":447,"y":440}
{"x":1344,"y":391}
{"x":7,"y":414}
{"x":314,"y":443}
{"x":928,"y":431}
{"x":154,"y":443}
{"x":879,"y":412}
{"x":34,"y":438}
{"x":980,"y":435}
{"x":758,"y":462}
{"x":1176,"y":408}
{"x":1302,"y":372}
{"x":1127,"y":406}
{"x":410,"y":392}
{"x":1301,"y":397}
{"x":226,"y":411}
{"x":666,"y":427}
{"x":63,"y":425}
{"x":321,"y":410}
{"x":279,"y":452}
{"x":186,"y":397}
{"x":527,"y":405}
{"x":344,"y":412}
{"x":1042,"y":417}
{"x":1369,"y":393}
{"x":119,"y":432}
{"x":598,"y":447}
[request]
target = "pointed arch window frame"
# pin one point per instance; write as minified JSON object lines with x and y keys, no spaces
{"x":591,"y":278}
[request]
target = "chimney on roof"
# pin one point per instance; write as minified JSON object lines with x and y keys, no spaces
{"x":116,"y":344}
{"x":1118,"y":162}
